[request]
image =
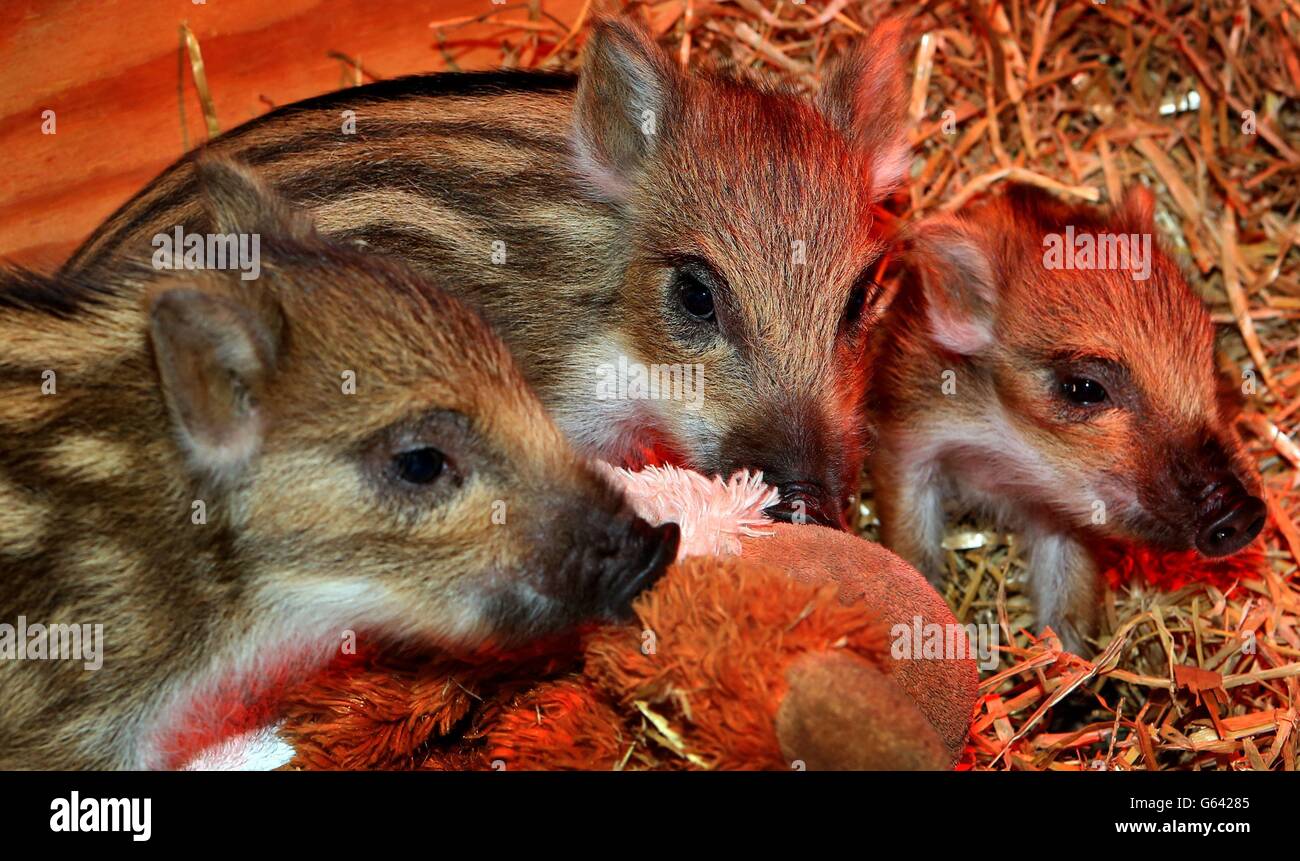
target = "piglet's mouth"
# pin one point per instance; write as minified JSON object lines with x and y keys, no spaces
{"x":802,"y":502}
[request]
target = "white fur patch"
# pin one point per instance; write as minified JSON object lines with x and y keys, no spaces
{"x":260,"y":749}
{"x":605,"y":428}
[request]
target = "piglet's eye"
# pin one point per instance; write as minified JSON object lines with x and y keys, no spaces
{"x":1082,"y":391}
{"x":419,"y":465}
{"x":865,"y":291}
{"x":857,"y":301}
{"x":696,"y":297}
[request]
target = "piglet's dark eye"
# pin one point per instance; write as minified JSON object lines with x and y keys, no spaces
{"x":1082,"y":391}
{"x":696,"y":297}
{"x":419,"y":465}
{"x":857,"y":301}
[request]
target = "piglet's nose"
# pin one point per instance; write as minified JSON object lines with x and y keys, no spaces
{"x":1232,"y":519}
{"x":805,"y":502}
{"x":646,"y":554}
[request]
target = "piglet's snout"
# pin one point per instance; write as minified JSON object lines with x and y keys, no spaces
{"x":1230,"y":519}
{"x":632,"y":564}
{"x":803,"y":501}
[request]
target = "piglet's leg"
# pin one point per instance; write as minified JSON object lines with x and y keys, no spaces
{"x":1063,"y":583}
{"x":910,"y":505}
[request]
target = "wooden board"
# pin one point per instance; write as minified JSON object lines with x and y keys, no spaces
{"x":114,"y":74}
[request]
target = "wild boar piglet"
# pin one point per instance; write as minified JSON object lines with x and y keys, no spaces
{"x":229,"y":477}
{"x":1048,"y":363}
{"x":681,"y":262}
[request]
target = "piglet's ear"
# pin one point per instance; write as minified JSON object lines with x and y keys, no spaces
{"x":214,"y":359}
{"x":239,"y":202}
{"x":865,"y":94}
{"x":628,"y":91}
{"x":951,"y":269}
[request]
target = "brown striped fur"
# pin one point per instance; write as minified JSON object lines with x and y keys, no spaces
{"x":172,"y":387}
{"x":600,"y":222}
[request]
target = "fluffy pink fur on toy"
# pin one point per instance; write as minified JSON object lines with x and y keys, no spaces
{"x":713,"y":514}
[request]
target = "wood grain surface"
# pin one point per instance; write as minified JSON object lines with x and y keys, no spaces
{"x":120,"y":85}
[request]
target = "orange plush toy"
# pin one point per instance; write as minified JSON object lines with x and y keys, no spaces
{"x":765,"y":647}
